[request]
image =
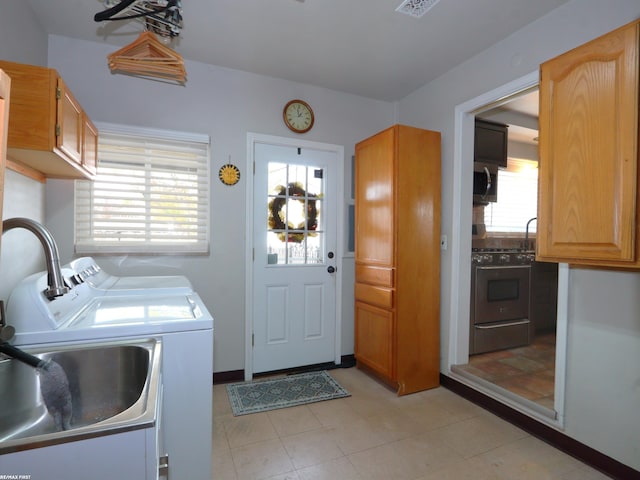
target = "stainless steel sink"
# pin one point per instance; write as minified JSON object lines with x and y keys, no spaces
{"x":114,"y":387}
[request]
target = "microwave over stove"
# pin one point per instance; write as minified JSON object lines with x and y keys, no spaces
{"x":485,"y":183}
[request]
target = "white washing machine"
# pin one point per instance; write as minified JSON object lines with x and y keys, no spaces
{"x":86,"y":270}
{"x":103,"y":307}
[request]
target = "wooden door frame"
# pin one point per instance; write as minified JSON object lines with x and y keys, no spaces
{"x":338,"y":150}
{"x":460,"y":281}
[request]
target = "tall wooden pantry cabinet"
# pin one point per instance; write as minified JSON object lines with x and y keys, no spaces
{"x":397,"y":257}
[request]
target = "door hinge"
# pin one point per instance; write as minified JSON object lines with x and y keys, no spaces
{"x":253,"y":254}
{"x":57,"y":130}
{"x":58,"y":93}
{"x":253,"y":340}
{"x":254,"y":168}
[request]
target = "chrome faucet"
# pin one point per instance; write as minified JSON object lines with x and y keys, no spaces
{"x":526,"y":234}
{"x":56,"y":287}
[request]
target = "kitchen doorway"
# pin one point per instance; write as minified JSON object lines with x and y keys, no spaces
{"x":523,"y":366}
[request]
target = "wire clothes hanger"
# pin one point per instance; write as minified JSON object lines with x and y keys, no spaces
{"x":163,"y":17}
{"x":147,"y":56}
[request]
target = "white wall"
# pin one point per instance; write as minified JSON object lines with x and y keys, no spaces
{"x":21,"y":253}
{"x":603,"y":365}
{"x":225,"y":104}
{"x":21,"y":40}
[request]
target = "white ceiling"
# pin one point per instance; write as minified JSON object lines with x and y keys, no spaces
{"x":521,"y":114}
{"x":357,"y":46}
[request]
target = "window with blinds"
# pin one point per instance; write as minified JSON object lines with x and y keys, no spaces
{"x":517,"y":198}
{"x":151,"y":194}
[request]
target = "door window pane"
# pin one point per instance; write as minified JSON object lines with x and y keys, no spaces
{"x":294,"y":214}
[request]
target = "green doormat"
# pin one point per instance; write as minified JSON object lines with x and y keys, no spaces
{"x":263,"y":395}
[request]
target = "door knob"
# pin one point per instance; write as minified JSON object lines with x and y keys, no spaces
{"x":331,"y":269}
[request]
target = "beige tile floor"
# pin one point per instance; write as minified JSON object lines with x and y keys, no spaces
{"x":376,"y":435}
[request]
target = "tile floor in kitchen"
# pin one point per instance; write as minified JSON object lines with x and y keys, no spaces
{"x":376,"y":435}
{"x":526,"y":371}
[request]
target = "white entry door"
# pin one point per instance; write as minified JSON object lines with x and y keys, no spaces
{"x":295,"y":257}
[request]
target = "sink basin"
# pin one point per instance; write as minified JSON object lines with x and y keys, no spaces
{"x":114,"y":387}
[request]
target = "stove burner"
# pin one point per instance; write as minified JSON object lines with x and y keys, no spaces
{"x":501,"y":256}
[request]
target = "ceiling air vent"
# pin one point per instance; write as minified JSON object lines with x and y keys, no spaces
{"x":416,"y":8}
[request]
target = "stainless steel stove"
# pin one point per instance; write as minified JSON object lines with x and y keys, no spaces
{"x":500,"y":280}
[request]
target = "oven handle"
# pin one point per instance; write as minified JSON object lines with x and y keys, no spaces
{"x":510,"y":324}
{"x":503,"y":267}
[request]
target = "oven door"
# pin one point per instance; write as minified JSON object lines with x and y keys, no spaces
{"x":500,"y":308}
{"x":500,"y":293}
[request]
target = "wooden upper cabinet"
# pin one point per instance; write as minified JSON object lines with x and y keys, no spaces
{"x":70,"y":122}
{"x":588,"y":209}
{"x":89,"y":146}
{"x":5,"y":87}
{"x":48,"y":129}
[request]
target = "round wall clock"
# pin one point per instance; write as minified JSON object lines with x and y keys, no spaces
{"x":229,"y":174}
{"x":298,"y":116}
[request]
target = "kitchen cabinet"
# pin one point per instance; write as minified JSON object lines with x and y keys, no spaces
{"x":397,"y":257}
{"x":5,"y":87}
{"x":89,"y":145}
{"x":48,"y":129}
{"x":544,"y":297}
{"x":490,"y":142}
{"x":589,"y":204}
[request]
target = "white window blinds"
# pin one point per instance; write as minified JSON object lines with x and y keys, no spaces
{"x":517,"y":198}
{"x":151,"y":194}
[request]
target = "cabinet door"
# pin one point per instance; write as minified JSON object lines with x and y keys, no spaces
{"x":375,"y":338}
{"x":588,"y":175}
{"x":374,"y":199}
{"x":5,"y":86}
{"x":69,"y":124}
{"x":90,"y":146}
{"x":490,"y":143}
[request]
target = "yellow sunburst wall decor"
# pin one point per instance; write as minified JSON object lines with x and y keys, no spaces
{"x":229,"y":174}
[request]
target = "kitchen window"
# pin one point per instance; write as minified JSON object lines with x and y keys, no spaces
{"x":151,"y":194}
{"x":517,"y":198}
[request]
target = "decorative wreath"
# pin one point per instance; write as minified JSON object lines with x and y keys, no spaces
{"x":293,"y":233}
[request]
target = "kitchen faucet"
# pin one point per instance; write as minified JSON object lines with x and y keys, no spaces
{"x":56,"y":286}
{"x":526,"y":234}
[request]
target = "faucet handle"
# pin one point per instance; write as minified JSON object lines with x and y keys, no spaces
{"x":54,"y":292}
{"x":6,"y":331}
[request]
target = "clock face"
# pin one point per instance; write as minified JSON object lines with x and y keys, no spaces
{"x":298,"y":116}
